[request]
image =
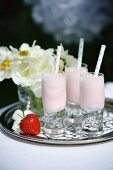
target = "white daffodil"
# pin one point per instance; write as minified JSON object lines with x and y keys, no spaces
{"x":24,"y":51}
{"x":18,"y":115}
{"x":6,"y":61}
{"x":20,"y":73}
{"x":66,"y":60}
{"x":28,"y":72}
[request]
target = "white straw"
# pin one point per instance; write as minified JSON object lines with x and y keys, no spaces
{"x":98,"y":65}
{"x":80,"y":52}
{"x":58,"y":59}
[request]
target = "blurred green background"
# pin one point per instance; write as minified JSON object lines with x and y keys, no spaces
{"x":17,"y":26}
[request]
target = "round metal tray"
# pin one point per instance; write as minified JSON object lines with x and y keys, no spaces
{"x":6,"y":124}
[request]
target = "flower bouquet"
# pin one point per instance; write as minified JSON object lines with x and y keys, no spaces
{"x":25,"y":67}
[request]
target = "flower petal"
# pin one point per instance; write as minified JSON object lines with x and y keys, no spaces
{"x":27,"y":112}
{"x":18,"y":115}
{"x":24,"y":47}
{"x":15,"y":126}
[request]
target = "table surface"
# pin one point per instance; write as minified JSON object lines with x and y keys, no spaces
{"x":17,"y":154}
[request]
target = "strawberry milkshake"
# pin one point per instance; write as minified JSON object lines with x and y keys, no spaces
{"x":73,"y":83}
{"x":54,"y":102}
{"x":92,"y":100}
{"x":73,"y":116}
{"x":92,"y":92}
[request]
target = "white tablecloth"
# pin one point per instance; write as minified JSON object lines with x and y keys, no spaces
{"x":22,"y":155}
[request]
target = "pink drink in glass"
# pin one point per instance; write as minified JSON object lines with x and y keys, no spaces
{"x":54,"y":92}
{"x":73,"y":83}
{"x":73,"y":116}
{"x":92,"y":103}
{"x":92,"y":92}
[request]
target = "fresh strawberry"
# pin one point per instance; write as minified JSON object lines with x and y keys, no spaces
{"x":30,"y":125}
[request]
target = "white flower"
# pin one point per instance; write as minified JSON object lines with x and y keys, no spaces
{"x":28,"y":71}
{"x":27,"y":64}
{"x":6,"y":61}
{"x":24,"y":51}
{"x":44,"y":63}
{"x":20,"y":74}
{"x":18,"y":115}
{"x":66,"y":60}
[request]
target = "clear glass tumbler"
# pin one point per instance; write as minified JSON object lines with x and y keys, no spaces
{"x":54,"y":102}
{"x":92,"y":100}
{"x":73,"y":116}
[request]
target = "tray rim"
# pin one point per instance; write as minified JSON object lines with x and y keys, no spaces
{"x":73,"y":142}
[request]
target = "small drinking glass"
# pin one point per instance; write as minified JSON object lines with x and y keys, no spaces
{"x":54,"y":102}
{"x":73,"y":116}
{"x":92,"y":100}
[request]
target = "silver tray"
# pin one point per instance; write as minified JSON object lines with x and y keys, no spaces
{"x":6,"y":124}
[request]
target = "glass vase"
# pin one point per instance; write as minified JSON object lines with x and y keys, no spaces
{"x":27,"y":99}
